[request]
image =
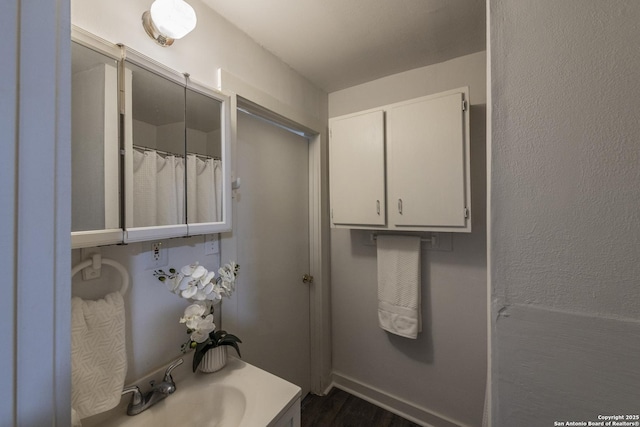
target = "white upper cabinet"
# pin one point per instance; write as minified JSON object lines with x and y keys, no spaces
{"x":357,"y":164}
{"x":150,"y":148}
{"x":427,"y":165}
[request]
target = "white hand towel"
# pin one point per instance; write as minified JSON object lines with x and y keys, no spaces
{"x":399,"y":285}
{"x":98,"y":356}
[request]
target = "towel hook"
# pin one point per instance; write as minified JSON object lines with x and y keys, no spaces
{"x":96,"y":261}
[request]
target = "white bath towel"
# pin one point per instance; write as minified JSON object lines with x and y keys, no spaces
{"x":98,"y":356}
{"x":399,"y":285}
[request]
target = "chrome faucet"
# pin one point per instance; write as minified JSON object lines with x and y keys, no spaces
{"x":140,"y":403}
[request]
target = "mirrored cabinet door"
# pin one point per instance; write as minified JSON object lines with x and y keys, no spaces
{"x":208,"y":174}
{"x":207,"y":139}
{"x":156,"y":155}
{"x":95,"y":150}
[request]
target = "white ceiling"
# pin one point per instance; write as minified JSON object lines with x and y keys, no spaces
{"x":340,"y":43}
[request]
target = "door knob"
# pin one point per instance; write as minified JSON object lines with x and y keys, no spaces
{"x":307,"y":278}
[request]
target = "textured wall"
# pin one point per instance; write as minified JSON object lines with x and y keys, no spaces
{"x":566,"y":152}
{"x":565,"y":184}
{"x":443,"y":371}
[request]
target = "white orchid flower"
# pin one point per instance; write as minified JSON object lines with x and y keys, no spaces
{"x":190,"y":290}
{"x":194,"y":283}
{"x":193,"y":314}
{"x":226,"y":274}
{"x":202,"y":329}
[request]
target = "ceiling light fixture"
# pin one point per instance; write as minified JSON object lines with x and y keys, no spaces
{"x":168,"y":20}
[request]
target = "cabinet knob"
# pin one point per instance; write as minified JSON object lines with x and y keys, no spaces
{"x":400,"y":206}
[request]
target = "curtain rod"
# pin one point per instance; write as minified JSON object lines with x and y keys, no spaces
{"x":168,"y":153}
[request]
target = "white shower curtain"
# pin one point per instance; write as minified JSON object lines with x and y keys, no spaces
{"x":159,"y":189}
{"x":144,"y":188}
{"x":218,"y":188}
{"x":204,"y":187}
{"x":167,"y":196}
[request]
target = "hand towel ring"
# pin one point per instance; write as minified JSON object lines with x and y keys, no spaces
{"x":96,"y":261}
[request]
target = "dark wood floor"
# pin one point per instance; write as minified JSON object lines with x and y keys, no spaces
{"x":341,"y":409}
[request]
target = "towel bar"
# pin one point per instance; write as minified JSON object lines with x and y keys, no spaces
{"x":96,"y":262}
{"x":433,"y":240}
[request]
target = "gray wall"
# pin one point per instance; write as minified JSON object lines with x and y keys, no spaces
{"x":440,"y":377}
{"x":565,"y":223}
{"x":154,"y":335}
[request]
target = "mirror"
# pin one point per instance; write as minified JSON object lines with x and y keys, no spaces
{"x":95,"y":172}
{"x":204,"y":158}
{"x":148,"y":136}
{"x":157,"y":111}
{"x":177,"y":143}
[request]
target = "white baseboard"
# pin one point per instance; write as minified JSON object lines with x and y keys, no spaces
{"x":394,"y":404}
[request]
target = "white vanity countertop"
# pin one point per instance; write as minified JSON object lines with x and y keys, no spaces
{"x":239,"y":395}
{"x":268,"y":396}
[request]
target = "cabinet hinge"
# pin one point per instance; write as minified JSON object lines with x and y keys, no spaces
{"x":464,"y":105}
{"x":466,"y":212}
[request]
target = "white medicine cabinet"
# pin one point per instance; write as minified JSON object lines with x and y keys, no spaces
{"x":151,"y":149}
{"x":403,"y":166}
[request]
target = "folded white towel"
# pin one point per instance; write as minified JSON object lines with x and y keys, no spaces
{"x":399,"y":285}
{"x":98,"y":356}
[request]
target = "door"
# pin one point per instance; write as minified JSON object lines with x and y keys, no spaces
{"x":272,"y":230}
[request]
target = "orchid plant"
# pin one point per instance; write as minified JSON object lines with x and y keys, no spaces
{"x":196,"y":283}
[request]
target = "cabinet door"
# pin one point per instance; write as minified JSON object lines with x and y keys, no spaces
{"x":356,"y":156}
{"x":426,"y":148}
{"x":154,"y":139}
{"x":95,"y":172}
{"x":208,"y":149}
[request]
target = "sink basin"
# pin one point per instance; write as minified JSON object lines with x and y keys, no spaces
{"x":240,"y":395}
{"x":221,"y":406}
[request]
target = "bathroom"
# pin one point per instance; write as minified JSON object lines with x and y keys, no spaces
{"x":566,"y":291}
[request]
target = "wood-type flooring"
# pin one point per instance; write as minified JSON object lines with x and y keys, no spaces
{"x":341,"y":409}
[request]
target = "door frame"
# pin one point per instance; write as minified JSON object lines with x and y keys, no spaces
{"x":35,"y":207}
{"x":264,"y":105}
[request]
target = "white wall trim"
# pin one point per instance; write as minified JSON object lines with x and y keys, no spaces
{"x":395,"y":404}
{"x":35,"y":246}
{"x":320,"y":340}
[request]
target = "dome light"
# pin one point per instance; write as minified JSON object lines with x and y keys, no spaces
{"x":168,"y":20}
